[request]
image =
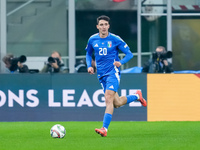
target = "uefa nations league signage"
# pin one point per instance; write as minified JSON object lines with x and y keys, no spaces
{"x":64,"y":97}
{"x":30,"y":98}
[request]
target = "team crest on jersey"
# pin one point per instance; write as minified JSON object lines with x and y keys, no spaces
{"x":109,"y":44}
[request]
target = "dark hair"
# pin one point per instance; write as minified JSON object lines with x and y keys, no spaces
{"x":103,"y":17}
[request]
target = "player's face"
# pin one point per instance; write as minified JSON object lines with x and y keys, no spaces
{"x":103,"y":27}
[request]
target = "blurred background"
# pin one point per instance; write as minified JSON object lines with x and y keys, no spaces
{"x":35,"y":28}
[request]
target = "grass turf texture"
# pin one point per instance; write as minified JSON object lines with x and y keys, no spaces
{"x":81,"y":136}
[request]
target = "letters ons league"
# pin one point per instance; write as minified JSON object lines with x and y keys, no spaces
{"x":30,"y":98}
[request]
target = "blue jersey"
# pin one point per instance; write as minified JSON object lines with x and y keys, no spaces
{"x":106,"y":52}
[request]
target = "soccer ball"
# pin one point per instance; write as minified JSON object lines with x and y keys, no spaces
{"x":58,"y":131}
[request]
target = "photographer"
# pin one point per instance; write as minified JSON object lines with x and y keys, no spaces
{"x":15,"y":64}
{"x":81,"y":65}
{"x":54,"y":64}
{"x":159,"y":63}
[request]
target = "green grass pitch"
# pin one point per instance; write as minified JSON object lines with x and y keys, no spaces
{"x":121,"y":136}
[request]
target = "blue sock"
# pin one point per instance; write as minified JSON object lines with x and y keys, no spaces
{"x":131,"y":98}
{"x":106,"y":120}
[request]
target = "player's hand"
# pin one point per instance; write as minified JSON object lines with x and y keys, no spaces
{"x":91,"y":70}
{"x":117,"y":63}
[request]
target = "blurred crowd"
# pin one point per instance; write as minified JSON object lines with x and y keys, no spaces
{"x":53,"y":64}
{"x":158,"y":63}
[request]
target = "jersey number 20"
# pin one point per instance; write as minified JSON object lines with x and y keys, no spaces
{"x":102,"y":51}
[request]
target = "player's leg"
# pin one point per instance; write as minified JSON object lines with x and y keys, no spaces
{"x":110,"y":85}
{"x":120,"y":101}
{"x":109,"y":98}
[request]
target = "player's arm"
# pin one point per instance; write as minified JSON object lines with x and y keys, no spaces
{"x":89,"y":63}
{"x":126,"y":50}
{"x":89,"y":52}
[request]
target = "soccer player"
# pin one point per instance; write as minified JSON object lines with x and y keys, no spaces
{"x":106,"y":46}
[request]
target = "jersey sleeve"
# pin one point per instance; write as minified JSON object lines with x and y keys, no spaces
{"x":89,"y":52}
{"x":126,"y":50}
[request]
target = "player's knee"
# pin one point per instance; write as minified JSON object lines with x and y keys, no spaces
{"x":117,"y":104}
{"x":109,"y":98}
